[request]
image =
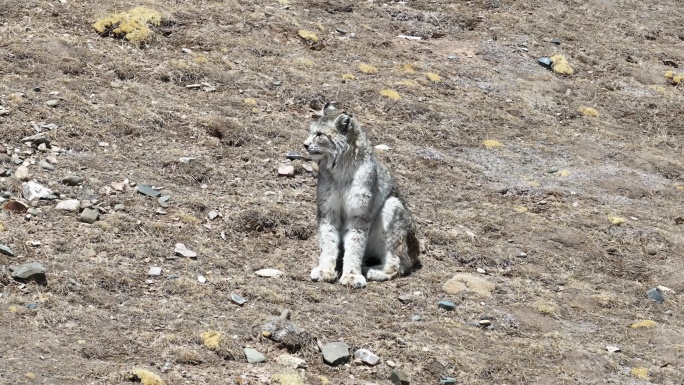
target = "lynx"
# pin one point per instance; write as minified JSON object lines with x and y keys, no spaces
{"x":364,"y":225}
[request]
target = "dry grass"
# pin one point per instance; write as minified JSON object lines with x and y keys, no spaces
{"x":502,"y":169}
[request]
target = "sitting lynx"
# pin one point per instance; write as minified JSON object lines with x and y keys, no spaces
{"x":361,"y":218}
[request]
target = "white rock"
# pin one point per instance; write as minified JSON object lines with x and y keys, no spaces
{"x":286,"y":170}
{"x":613,"y":349}
{"x":291,"y":361}
{"x":182,"y":250}
{"x":155,"y":271}
{"x":22,"y":173}
{"x":382,"y":147}
{"x":367,"y":357}
{"x":69,"y":205}
{"x":33,"y":190}
{"x":201,"y":279}
{"x":269,"y":273}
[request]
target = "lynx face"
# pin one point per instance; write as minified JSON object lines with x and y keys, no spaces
{"x":329,"y":136}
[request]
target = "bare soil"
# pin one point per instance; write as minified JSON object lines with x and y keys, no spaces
{"x":549,"y":191}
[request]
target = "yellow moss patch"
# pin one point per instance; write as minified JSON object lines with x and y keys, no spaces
{"x":287,"y":379}
{"x":324,"y":380}
{"x":308,"y":35}
{"x":133,"y":25}
{"x":617,"y":220}
{"x":520,"y":209}
{"x":348,"y":77}
{"x":211,"y":339}
{"x":284,"y":2}
{"x":641,"y":373}
{"x":433,"y":77}
{"x":266,"y":333}
{"x":145,"y":377}
{"x":588,"y":111}
{"x":30,"y":376}
{"x":201,"y":59}
{"x":409,"y":68}
{"x":187,"y":218}
{"x":392,"y":94}
{"x":546,"y":309}
{"x":407,"y":83}
{"x":533,"y":183}
{"x":12,"y":309}
{"x":367,"y":69}
{"x":2,"y":226}
{"x":560,"y":65}
{"x":680,"y":188}
{"x":674,"y":78}
{"x":564,"y":173}
{"x":250,"y":101}
{"x":490,"y":143}
{"x":644,"y":324}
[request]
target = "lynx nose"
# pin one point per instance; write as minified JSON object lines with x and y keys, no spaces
{"x":306,"y":146}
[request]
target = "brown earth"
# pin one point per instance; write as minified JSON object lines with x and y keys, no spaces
{"x":580,"y":284}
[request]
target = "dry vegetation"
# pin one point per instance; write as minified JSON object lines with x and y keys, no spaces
{"x":497,"y":156}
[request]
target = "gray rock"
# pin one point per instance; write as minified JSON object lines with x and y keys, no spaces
{"x":367,"y":357}
{"x":499,"y":189}
{"x":253,"y":356}
{"x":155,"y":271}
{"x":6,"y":250}
{"x":181,"y":250}
{"x":448,"y":381}
{"x":32,"y":270}
{"x":555,"y":41}
{"x":656,"y":295}
{"x":17,"y":160}
{"x":4,"y":172}
{"x":406,"y":299}
{"x":237,"y":299}
{"x":296,"y":156}
{"x":447,"y":305}
{"x":453,"y":57}
{"x":22,"y":173}
{"x":212,"y":215}
{"x":148,"y":190}
{"x":164,"y":198}
{"x":545,"y":61}
{"x":120,"y":207}
{"x":291,"y":361}
{"x":552,"y":170}
{"x":186,"y":50}
{"x":34,"y":190}
{"x":89,"y":216}
{"x":72,"y":180}
{"x":33,"y":138}
{"x":46,"y":166}
{"x":69,"y":205}
{"x":285,"y":332}
{"x":336,"y":353}
{"x":399,"y":378}
{"x":416,"y":318}
{"x":52,"y":103}
{"x":286,"y":170}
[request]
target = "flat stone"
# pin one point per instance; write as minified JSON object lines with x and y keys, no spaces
{"x":254,"y":356}
{"x":382,"y":147}
{"x":212,"y":215}
{"x":656,"y":295}
{"x":186,"y":159}
{"x":367,"y":357}
{"x":613,"y":349}
{"x":6,"y":250}
{"x":33,"y":138}
{"x":89,"y":216}
{"x":120,"y":207}
{"x":291,"y":361}
{"x":237,"y":299}
{"x":447,"y":380}
{"x":32,"y":270}
{"x":46,"y":165}
{"x":146,"y":189}
{"x":69,"y":205}
{"x":447,"y":305}
{"x":118,"y":186}
{"x":416,"y":318}
{"x":52,"y":103}
{"x":406,"y":299}
{"x":181,"y":250}
{"x":72,"y":180}
{"x":269,"y":273}
{"x":336,"y":353}
{"x":296,"y":156}
{"x":154,"y":271}
{"x":399,"y":378}
{"x":34,"y":190}
{"x":286,"y":170}
{"x":468,"y":282}
{"x":22,"y":173}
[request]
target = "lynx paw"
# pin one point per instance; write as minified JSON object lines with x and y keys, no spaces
{"x":378,"y":275}
{"x":319,"y":274}
{"x":353,"y":280}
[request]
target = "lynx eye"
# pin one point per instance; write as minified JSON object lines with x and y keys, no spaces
{"x":319,"y":134}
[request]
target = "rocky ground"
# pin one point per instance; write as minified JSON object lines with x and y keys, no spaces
{"x":152,"y":230}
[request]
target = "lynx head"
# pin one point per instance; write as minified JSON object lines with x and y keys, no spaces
{"x":331,"y":136}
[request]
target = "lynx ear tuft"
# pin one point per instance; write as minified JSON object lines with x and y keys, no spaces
{"x":344,"y":122}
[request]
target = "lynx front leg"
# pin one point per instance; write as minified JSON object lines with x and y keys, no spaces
{"x":329,"y":239}
{"x":354,"y":247}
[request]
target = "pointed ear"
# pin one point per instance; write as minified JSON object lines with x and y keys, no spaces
{"x":329,"y":108}
{"x":344,"y":122}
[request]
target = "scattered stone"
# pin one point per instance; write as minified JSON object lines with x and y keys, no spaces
{"x":336,"y":353}
{"x":416,"y":318}
{"x":521,"y":255}
{"x":555,"y":41}
{"x":552,"y":170}
{"x":212,"y":215}
{"x":32,"y":306}
{"x":545,"y":61}
{"x":291,"y":361}
{"x":269,"y":273}
{"x":89,"y":216}
{"x":118,"y":186}
{"x":163,"y":203}
{"x":186,"y":159}
{"x":283,"y":331}
{"x":237,"y":299}
{"x":484,"y":323}
{"x":382,"y":147}
{"x":399,"y":378}
{"x":447,"y":380}
{"x":307,"y":167}
{"x":148,"y":190}
{"x":367,"y":357}
{"x":446,"y":305}
{"x":52,"y":103}
{"x":481,"y":270}
{"x":201,"y":279}
{"x":656,"y":295}
{"x":120,"y":207}
{"x":154,"y":271}
{"x":406,"y":299}
{"x":32,"y":270}
{"x":453,"y":57}
{"x":186,"y":50}
{"x":613,"y":349}
{"x":181,"y":250}
{"x":499,"y":189}
{"x":22,"y":173}
{"x":35,"y":190}
{"x":15,"y":207}
{"x":4,"y":172}
{"x":6,"y":250}
{"x":46,"y":165}
{"x":468,"y":282}
{"x":253,"y":356}
{"x":164,"y":198}
{"x":286,"y":170}
{"x":72,"y":180}
{"x":69,"y":205}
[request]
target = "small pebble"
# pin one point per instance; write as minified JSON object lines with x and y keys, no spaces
{"x":212,"y":215}
{"x":22,"y":173}
{"x":382,"y":147}
{"x":155,"y":271}
{"x":201,"y":279}
{"x":399,"y":378}
{"x":46,"y":166}
{"x":447,"y":305}
{"x":6,"y":250}
{"x":555,"y":41}
{"x":481,"y":270}
{"x":416,"y":318}
{"x":237,"y":299}
{"x":69,"y":205}
{"x":269,"y":273}
{"x":367,"y":357}
{"x":148,"y":190}
{"x":254,"y":356}
{"x":52,"y":103}
{"x":186,"y":50}
{"x":89,"y":215}
{"x":181,"y":250}
{"x":613,"y":349}
{"x":406,"y":299}
{"x":286,"y":170}
{"x":452,"y":57}
{"x":545,"y":61}
{"x":335,"y":353}
{"x":32,"y":306}
{"x":72,"y":180}
{"x":656,"y":295}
